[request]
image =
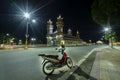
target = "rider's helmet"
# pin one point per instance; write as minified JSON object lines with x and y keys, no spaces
{"x":61,"y":43}
{"x":62,"y":46}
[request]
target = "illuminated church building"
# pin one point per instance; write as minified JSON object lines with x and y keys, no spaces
{"x":55,"y":37}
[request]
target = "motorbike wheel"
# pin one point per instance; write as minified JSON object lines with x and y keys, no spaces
{"x":69,"y":62}
{"x":48,"y":68}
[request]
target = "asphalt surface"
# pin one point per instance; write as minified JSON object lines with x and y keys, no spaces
{"x":26,"y":64}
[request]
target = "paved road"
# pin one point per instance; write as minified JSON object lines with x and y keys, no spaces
{"x":26,"y":65}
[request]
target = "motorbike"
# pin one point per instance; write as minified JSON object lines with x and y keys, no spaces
{"x":51,"y":62}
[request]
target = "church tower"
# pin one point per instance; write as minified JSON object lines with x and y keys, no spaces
{"x":59,"y":35}
{"x":49,"y":28}
{"x":60,"y":25}
{"x":49,"y":33}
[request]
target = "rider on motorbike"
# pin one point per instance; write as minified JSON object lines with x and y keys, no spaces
{"x":61,"y":49}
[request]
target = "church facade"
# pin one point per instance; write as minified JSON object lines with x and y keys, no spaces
{"x":55,"y":37}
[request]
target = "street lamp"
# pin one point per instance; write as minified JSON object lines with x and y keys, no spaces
{"x":7,"y":34}
{"x":27,"y":16}
{"x":106,"y":29}
{"x":33,"y":40}
{"x":7,"y":37}
{"x":34,"y":21}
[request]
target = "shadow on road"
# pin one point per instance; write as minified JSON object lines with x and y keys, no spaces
{"x":79,"y":74}
{"x":55,"y":76}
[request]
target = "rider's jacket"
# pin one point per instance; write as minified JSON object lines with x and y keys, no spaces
{"x":61,"y":49}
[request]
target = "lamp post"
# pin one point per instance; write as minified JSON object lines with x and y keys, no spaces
{"x":27,"y":16}
{"x":7,"y":37}
{"x":110,"y":32}
{"x":108,"y":29}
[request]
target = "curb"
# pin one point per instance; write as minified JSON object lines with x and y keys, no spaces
{"x":13,"y":49}
{"x":117,"y":47}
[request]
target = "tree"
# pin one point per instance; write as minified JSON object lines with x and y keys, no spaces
{"x":106,"y":13}
{"x":6,"y":39}
{"x":102,"y":10}
{"x":113,"y":35}
{"x":20,"y":42}
{"x":2,"y":39}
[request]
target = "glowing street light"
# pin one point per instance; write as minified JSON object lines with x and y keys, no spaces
{"x":33,"y":40}
{"x":7,"y":34}
{"x":26,"y":15}
{"x":34,"y":21}
{"x":106,"y":29}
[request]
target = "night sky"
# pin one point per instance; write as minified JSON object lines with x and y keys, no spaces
{"x":76,"y":14}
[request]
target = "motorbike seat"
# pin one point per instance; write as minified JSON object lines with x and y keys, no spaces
{"x":41,"y":54}
{"x":52,"y":56}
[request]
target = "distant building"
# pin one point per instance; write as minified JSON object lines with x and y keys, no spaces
{"x":55,"y":37}
{"x":99,"y":42}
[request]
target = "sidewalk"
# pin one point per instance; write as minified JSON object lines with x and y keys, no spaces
{"x":106,"y":65}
